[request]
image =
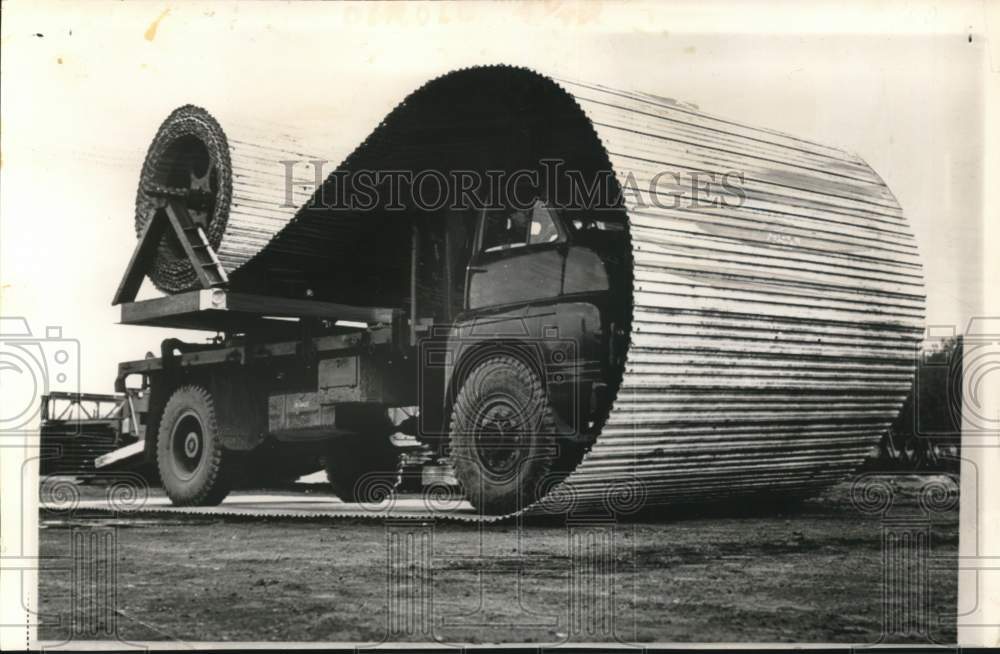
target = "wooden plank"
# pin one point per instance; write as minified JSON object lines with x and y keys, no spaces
{"x":216,"y":309}
{"x":142,"y":258}
{"x":279,"y":306}
{"x":138,"y":313}
{"x":122,"y":453}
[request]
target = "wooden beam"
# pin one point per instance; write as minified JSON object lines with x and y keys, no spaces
{"x":219,"y":310}
{"x":266,"y":305}
{"x":142,"y":258}
{"x":138,"y":313}
{"x":182,"y":222}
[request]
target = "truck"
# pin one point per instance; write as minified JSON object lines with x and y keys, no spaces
{"x":519,"y":382}
{"x":663,"y":306}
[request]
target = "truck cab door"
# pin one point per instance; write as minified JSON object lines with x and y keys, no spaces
{"x":518,"y":258}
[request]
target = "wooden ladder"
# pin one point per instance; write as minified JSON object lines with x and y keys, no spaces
{"x":195,"y":243}
{"x":171,"y":211}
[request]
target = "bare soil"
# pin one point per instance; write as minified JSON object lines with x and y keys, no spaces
{"x":812,"y":572}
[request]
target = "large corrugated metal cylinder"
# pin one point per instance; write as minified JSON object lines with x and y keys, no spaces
{"x":772,"y":337}
{"x":773,"y":341}
{"x":239,"y":170}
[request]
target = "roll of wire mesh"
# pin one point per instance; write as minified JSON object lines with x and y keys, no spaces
{"x":236,"y":186}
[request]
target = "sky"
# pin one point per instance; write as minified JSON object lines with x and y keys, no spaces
{"x":85,"y":86}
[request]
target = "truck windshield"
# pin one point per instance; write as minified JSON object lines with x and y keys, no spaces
{"x":506,"y":229}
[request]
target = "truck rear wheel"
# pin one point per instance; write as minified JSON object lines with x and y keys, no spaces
{"x":362,"y":468}
{"x":189,"y":452}
{"x":503,"y":435}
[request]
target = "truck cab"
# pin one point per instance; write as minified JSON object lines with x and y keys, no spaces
{"x":529,"y":350}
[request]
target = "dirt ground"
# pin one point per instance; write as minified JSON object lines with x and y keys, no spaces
{"x":814,"y":572}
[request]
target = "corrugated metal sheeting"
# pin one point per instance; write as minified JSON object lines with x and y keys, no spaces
{"x":772,"y":340}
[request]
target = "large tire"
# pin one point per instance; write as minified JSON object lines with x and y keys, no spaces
{"x":189,"y":453}
{"x":362,"y":468}
{"x":503,"y":436}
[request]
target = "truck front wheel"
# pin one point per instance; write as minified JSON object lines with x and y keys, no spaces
{"x":189,"y":450}
{"x":503,"y":435}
